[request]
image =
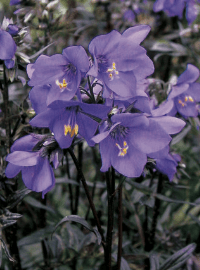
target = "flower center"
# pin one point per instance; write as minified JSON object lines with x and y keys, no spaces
{"x":186,"y":99}
{"x":113,"y":72}
{"x":122,"y":150}
{"x":69,"y":130}
{"x":62,"y":85}
{"x":119,"y":132}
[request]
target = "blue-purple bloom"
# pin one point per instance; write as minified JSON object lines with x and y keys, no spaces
{"x":63,"y":72}
{"x":66,"y":119}
{"x":32,"y":156}
{"x":14,"y":2}
{"x":127,"y":139}
{"x":186,"y":93}
{"x":166,"y":163}
{"x":176,"y":7}
{"x":7,"y":48}
{"x":129,"y":15}
{"x":120,"y":62}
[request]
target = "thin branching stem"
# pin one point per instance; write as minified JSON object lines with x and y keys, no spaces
{"x":82,"y":178}
{"x":110,"y":183}
{"x":119,"y":254}
{"x":91,"y":90}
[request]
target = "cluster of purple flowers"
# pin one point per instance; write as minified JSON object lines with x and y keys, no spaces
{"x":111,"y":108}
{"x":176,"y":8}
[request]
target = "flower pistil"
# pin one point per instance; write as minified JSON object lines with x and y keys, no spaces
{"x":62,"y":85}
{"x":122,"y":151}
{"x":112,"y":71}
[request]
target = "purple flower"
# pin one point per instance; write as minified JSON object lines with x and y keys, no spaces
{"x":7,"y":48}
{"x":126,"y":139}
{"x":66,"y":119}
{"x":176,"y":7}
{"x":186,"y":93}
{"x":165,"y":162}
{"x":63,"y":72}
{"x":120,"y":62}
{"x":38,"y":97}
{"x":14,"y":2}
{"x":129,"y":15}
{"x":32,"y":155}
{"x":12,"y":29}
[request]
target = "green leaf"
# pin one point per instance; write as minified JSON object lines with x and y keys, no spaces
{"x":6,"y":250}
{"x":7,"y":218}
{"x":17,"y":197}
{"x":154,"y":261}
{"x":30,"y":200}
{"x":140,"y":187}
{"x":167,"y":199}
{"x":124,"y":263}
{"x":81,"y":221}
{"x":181,"y":135}
{"x":179,"y":258}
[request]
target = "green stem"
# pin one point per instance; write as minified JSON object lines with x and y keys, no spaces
{"x":82,"y":178}
{"x":91,"y":90}
{"x":80,"y":158}
{"x":110,"y":189}
{"x":6,"y":109}
{"x":156,"y":212}
{"x":119,"y":254}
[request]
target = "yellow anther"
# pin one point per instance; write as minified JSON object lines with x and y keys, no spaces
{"x":72,"y":132}
{"x":112,"y":71}
{"x":122,"y":151}
{"x":76,"y":129}
{"x":189,"y":98}
{"x":61,"y":85}
{"x":181,"y":102}
{"x":67,"y":129}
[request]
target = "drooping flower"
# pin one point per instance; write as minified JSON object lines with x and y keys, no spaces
{"x":63,"y":72}
{"x":32,"y":156}
{"x":14,"y":2}
{"x":176,"y":7}
{"x":126,"y":139}
{"x":166,"y":163}
{"x":186,"y":93}
{"x":7,"y":45}
{"x":129,"y":15}
{"x":120,"y":62}
{"x":66,"y":119}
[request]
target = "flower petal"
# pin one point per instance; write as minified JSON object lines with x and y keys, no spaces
{"x":171,"y":125}
{"x":22,"y":158}
{"x":7,"y":46}
{"x":190,"y":75}
{"x":12,"y":170}
{"x":150,"y":138}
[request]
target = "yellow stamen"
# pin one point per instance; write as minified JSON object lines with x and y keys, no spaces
{"x":72,"y":132}
{"x":189,"y":98}
{"x":67,"y":129}
{"x":61,"y":85}
{"x":122,"y":151}
{"x":112,"y":71}
{"x":76,"y":129}
{"x":182,"y":103}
